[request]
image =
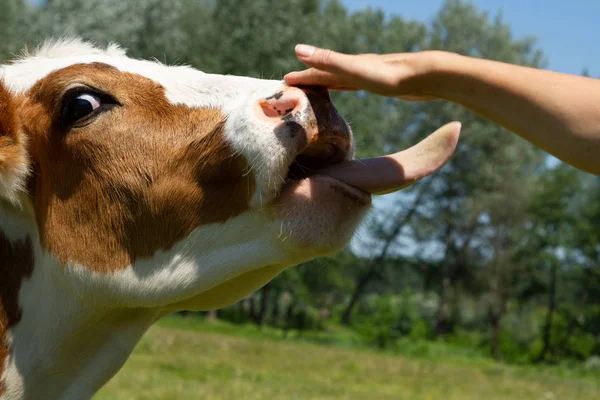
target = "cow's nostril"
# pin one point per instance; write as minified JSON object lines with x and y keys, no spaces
{"x":281,"y":103}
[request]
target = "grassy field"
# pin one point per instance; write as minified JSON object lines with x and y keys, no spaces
{"x":190,"y":359}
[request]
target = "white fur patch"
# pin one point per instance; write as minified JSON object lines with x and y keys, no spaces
{"x":70,"y":47}
{"x":11,"y":379}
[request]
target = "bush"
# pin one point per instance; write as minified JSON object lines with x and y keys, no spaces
{"x":420,"y":330}
{"x":462,"y":338}
{"x":378,"y":321}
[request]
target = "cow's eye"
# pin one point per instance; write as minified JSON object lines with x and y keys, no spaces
{"x":80,"y":107}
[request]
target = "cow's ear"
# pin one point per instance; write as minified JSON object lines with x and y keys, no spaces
{"x":14,"y":165}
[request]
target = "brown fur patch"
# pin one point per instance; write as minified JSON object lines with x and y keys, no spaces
{"x":10,"y":139}
{"x":137,"y":179}
{"x":16,"y":264}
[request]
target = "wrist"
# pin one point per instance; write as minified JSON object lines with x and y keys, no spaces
{"x":438,"y":71}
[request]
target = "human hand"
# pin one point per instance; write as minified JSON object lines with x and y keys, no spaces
{"x":410,"y":76}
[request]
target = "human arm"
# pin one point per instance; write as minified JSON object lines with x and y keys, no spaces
{"x":558,"y":112}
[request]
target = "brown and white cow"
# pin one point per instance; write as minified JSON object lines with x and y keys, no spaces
{"x":130,"y":190}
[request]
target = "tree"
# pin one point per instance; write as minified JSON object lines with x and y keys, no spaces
{"x":458,"y":212}
{"x":12,"y":10}
{"x":550,"y":235}
{"x":147,"y":28}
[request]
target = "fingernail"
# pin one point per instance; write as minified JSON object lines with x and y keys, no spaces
{"x":304,"y":50}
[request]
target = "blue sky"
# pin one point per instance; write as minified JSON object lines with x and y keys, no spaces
{"x":567,"y":31}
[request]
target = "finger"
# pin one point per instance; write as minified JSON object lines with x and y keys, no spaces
{"x":323,"y":59}
{"x":313,"y":77}
{"x":343,"y":89}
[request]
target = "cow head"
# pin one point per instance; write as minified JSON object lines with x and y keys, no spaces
{"x":164,"y":186}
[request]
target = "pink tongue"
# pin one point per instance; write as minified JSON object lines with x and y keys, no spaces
{"x":396,"y":171}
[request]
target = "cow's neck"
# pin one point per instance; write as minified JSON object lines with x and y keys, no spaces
{"x":56,"y":341}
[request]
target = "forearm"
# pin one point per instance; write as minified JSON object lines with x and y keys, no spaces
{"x":559,"y":113}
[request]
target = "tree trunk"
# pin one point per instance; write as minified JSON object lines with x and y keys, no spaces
{"x":252,"y":307}
{"x":495,"y":322}
{"x":496,"y":318}
{"x":357,"y":294}
{"x":503,"y":268}
{"x":550,"y":314}
{"x":289,"y":317}
{"x":275,"y":310}
{"x":441,"y":317}
{"x":212,"y":315}
{"x":264,"y":305}
{"x":449,"y":258}
{"x":452,"y":257}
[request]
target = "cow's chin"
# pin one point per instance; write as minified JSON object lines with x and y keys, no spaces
{"x":230,"y":291}
{"x":319,"y":214}
{"x":314,"y":216}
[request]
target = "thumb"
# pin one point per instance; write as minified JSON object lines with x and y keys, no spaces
{"x":323,"y":59}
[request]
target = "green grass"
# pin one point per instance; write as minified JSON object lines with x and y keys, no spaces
{"x":192,"y":359}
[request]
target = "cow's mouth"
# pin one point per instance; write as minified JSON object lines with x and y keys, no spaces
{"x":316,"y":157}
